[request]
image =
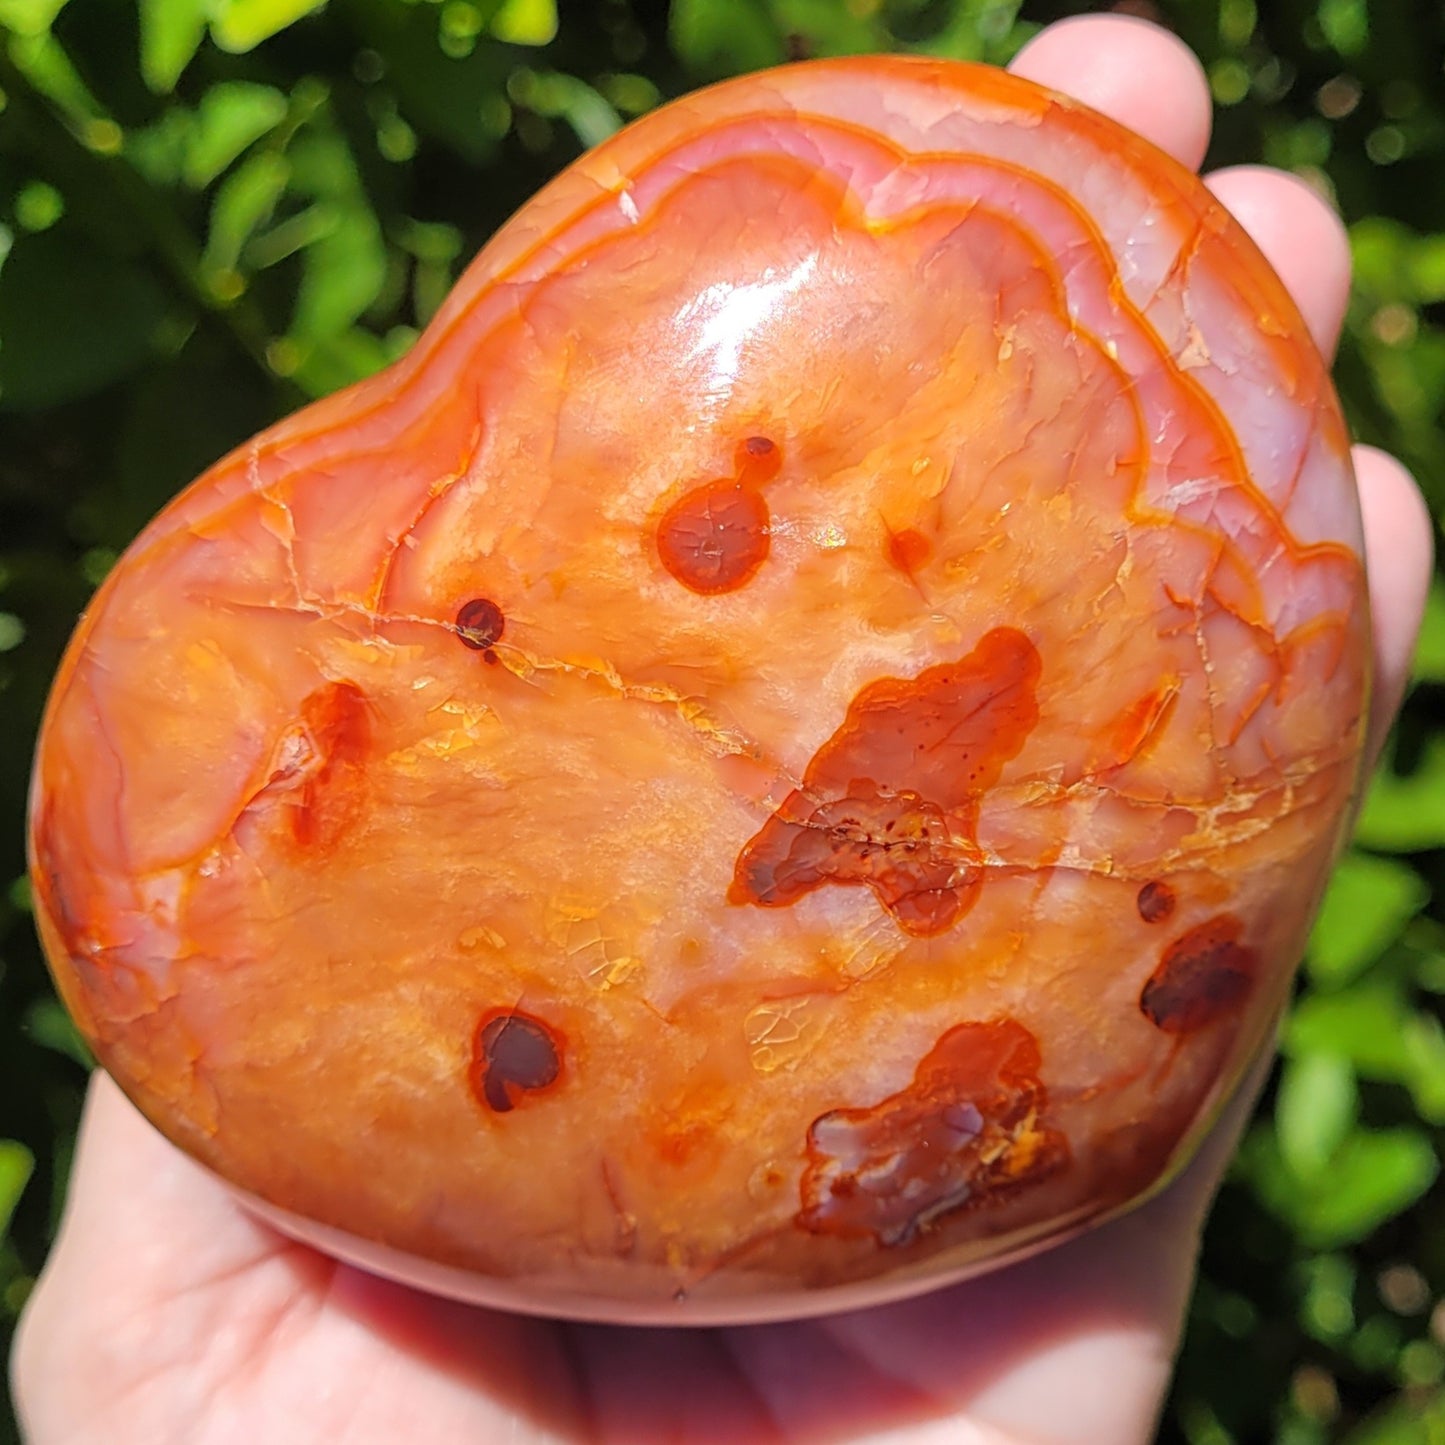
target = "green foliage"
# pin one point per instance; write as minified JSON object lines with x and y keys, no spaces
{"x":211,"y":210}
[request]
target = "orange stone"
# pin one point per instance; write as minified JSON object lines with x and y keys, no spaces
{"x":784,"y":755}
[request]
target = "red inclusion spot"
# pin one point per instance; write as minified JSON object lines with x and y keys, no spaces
{"x":715,"y":537}
{"x":337,"y":727}
{"x":317,"y":785}
{"x":513,"y":1054}
{"x":908,"y":550}
{"x":757,"y":460}
{"x":1155,"y":901}
{"x":966,"y":1133}
{"x":891,"y":800}
{"x":1203,"y":976}
{"x":480,"y":623}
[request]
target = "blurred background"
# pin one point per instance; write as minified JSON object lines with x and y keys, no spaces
{"x":214,"y":210}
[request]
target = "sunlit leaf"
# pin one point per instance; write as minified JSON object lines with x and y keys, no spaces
{"x":29,"y":17}
{"x":1407,"y":814}
{"x":171,"y":32}
{"x":343,"y":273}
{"x":50,"y":1026}
{"x":1372,"y":1178}
{"x":1418,"y":1420}
{"x":243,"y":202}
{"x":564,"y":97}
{"x":1429,"y":664}
{"x":48,"y":67}
{"x":826,"y":28}
{"x":1369,"y":902}
{"x":1346,"y":24}
{"x":1380,"y":248}
{"x":1373,"y":1175}
{"x":1423,"y":1045}
{"x":1362,"y":1024}
{"x":340,"y":360}
{"x":1315,"y":1110}
{"x":344,"y":269}
{"x":1375,"y":1027}
{"x":241,"y":25}
{"x":231,"y":115}
{"x":17,"y":1163}
{"x":526,"y":22}
{"x":724,"y":37}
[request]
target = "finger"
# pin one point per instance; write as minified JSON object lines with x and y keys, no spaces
{"x":175,"y":1218}
{"x":1129,"y":70}
{"x":1301,"y":237}
{"x":1399,"y":554}
{"x":142,"y":1225}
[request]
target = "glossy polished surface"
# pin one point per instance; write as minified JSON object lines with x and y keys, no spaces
{"x":784,"y":754}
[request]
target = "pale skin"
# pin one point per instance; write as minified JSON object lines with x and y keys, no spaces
{"x":168,"y":1316}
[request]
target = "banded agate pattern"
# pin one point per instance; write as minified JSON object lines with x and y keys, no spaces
{"x":785,"y":753}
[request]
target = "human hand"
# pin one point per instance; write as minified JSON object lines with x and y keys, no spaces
{"x":167,"y":1314}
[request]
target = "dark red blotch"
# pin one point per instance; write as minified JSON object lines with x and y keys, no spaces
{"x":513,"y":1054}
{"x":908,"y":550}
{"x":716,"y":536}
{"x":1203,"y":976}
{"x":480,"y":623}
{"x":891,"y":800}
{"x":966,"y":1133}
{"x":1155,"y":901}
{"x":337,"y":723}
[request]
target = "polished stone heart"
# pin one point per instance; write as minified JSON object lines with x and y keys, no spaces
{"x":786,"y":753}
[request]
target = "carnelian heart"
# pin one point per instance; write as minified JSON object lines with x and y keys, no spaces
{"x":786,"y":753}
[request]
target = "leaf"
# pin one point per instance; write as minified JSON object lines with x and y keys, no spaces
{"x":723,"y":37}
{"x":1429,"y":665}
{"x":171,"y":32}
{"x":52,"y":1028}
{"x":1423,"y":1047}
{"x":1314,"y":1111}
{"x":1346,"y":25}
{"x":48,"y":67}
{"x":73,"y":319}
{"x":17,"y":1164}
{"x":345,"y":267}
{"x":1427,"y":268}
{"x":158,"y":150}
{"x":1363,"y":1024}
{"x":29,"y":17}
{"x":587,"y":111}
{"x":1375,"y":1176}
{"x":1367,"y":905}
{"x":526,"y":22}
{"x":343,"y":274}
{"x":827,"y":28}
{"x":1379,"y":250}
{"x":1407,"y":814}
{"x":1375,"y":1028}
{"x":1410,"y":1421}
{"x":341,"y":360}
{"x":241,"y":25}
{"x":1372,"y":1176}
{"x":244,"y":201}
{"x":231,"y":115}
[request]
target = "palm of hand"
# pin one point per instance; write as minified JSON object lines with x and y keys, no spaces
{"x":198,"y":1324}
{"x":167,"y":1315}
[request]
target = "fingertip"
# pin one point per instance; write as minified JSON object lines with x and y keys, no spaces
{"x":1300,"y":235}
{"x":1399,"y":560}
{"x":1131,"y":70}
